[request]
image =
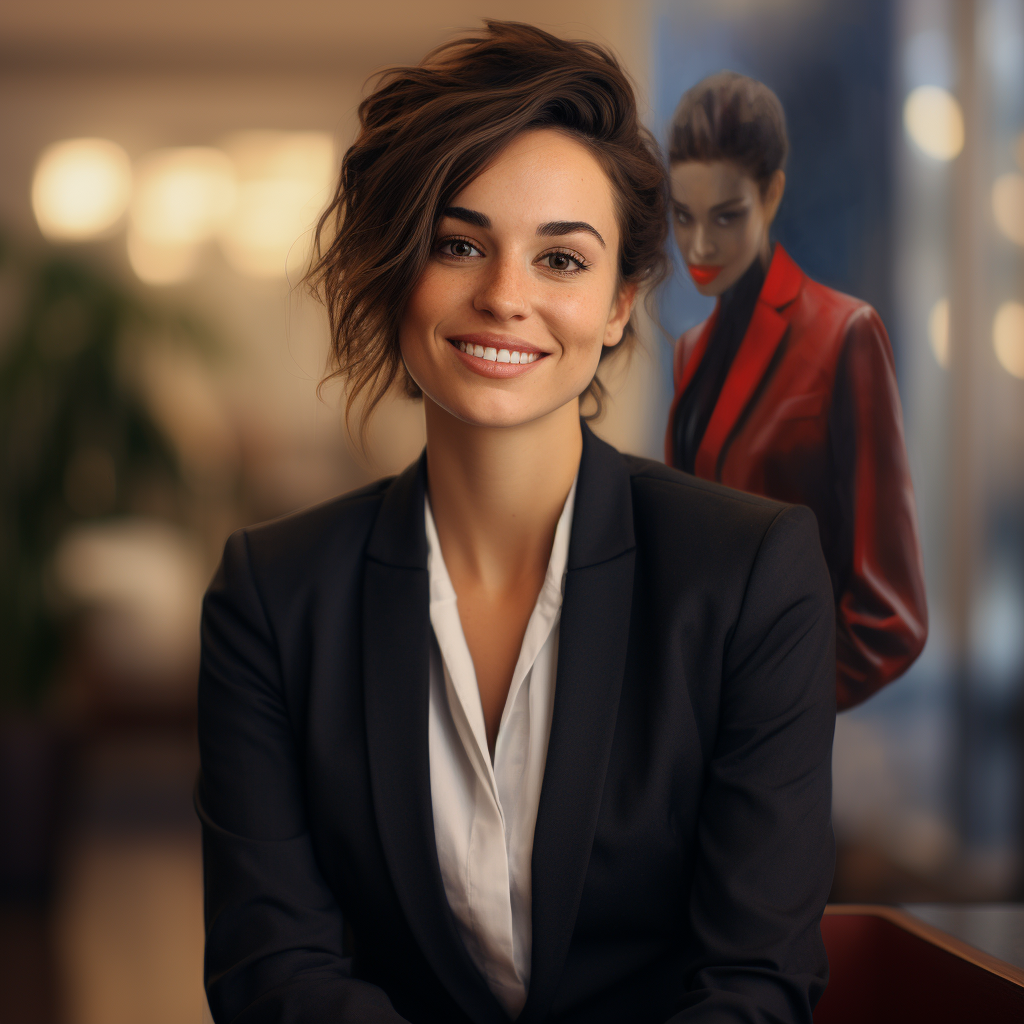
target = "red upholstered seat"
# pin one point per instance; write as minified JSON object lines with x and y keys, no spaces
{"x":885,"y":965}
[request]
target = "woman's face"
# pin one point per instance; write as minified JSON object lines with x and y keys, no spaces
{"x":721,"y":220}
{"x":508,"y":319}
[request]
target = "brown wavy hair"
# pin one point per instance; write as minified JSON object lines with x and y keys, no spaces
{"x":425,"y":132}
{"x":730,"y":117}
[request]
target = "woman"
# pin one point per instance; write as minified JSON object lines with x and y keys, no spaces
{"x":534,"y":730}
{"x":788,"y":389}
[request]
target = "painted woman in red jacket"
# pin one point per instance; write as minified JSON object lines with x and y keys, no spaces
{"x":788,"y":389}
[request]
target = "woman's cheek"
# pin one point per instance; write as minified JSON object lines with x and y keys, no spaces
{"x":580,"y":325}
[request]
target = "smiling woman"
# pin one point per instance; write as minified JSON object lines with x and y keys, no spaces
{"x":534,"y":730}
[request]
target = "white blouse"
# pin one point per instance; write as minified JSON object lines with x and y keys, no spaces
{"x":484,"y":813}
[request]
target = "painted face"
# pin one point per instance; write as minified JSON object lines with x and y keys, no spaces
{"x":509,"y":317}
{"x":721,"y":220}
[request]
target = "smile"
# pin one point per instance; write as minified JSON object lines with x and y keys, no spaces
{"x":495,"y":355}
{"x":703,"y":274}
{"x":498,"y":355}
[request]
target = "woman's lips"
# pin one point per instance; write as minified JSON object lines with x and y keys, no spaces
{"x":703,"y":274}
{"x":492,"y":355}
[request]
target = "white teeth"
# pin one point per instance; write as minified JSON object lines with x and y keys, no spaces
{"x":495,"y":355}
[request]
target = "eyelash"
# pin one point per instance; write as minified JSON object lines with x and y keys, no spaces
{"x":570,"y":254}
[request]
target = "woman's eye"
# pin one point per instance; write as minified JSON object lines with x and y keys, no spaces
{"x":459,"y":248}
{"x":564,"y":262}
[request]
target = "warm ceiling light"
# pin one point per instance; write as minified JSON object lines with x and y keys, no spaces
{"x":934,"y":121}
{"x":284,"y":181}
{"x":938,"y":332}
{"x":1008,"y":337}
{"x":1008,"y":206}
{"x":182,"y":195}
{"x":80,"y":188}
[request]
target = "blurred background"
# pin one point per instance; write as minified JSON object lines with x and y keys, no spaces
{"x":160,"y":170}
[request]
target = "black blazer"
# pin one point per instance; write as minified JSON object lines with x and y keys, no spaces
{"x":683,"y":851}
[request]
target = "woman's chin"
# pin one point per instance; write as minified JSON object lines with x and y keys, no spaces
{"x":500,"y":412}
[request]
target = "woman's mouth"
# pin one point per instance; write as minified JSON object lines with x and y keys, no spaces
{"x":496,"y":356}
{"x":703,"y":274}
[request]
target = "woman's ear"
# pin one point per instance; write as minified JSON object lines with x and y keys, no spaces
{"x":622,"y":307}
{"x":773,"y":194}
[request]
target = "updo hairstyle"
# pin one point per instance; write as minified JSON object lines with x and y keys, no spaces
{"x":729,"y":117}
{"x":425,"y":132}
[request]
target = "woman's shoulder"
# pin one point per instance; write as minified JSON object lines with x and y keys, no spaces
{"x":689,"y":529}
{"x":829,"y":313}
{"x":679,"y":500}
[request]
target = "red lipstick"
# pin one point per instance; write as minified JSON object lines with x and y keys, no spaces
{"x":703,"y":274}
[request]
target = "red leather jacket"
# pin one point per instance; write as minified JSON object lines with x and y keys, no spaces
{"x":810,"y":414}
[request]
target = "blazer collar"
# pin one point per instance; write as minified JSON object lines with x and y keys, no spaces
{"x":764,"y":334}
{"x":594,"y":628}
{"x":399,"y":535}
{"x":602,"y":530}
{"x":783,"y":281}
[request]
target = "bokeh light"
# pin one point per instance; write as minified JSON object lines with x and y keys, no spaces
{"x":284,"y":181}
{"x":182,"y":196}
{"x":1008,"y":206}
{"x":1008,"y":338}
{"x":80,"y":188}
{"x":934,"y":121}
{"x":938,"y":331}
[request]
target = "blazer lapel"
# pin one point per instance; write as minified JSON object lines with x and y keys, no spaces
{"x":593,"y":634}
{"x":396,"y":651}
{"x":764,"y":333}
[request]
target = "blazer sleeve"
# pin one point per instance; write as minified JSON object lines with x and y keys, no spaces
{"x":273,"y":927}
{"x":765,"y":852}
{"x":881,"y":615}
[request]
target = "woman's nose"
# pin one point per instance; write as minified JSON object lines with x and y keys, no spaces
{"x":703,"y":245}
{"x":503,"y":290}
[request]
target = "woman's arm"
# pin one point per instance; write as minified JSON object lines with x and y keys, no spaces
{"x":273,"y":927}
{"x":881,"y":616}
{"x":764,"y":846}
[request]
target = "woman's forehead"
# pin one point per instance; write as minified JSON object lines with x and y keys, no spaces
{"x":710,"y":183}
{"x":540,"y":177}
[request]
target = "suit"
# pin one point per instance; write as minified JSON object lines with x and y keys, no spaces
{"x":810,"y":414}
{"x":683,"y":850}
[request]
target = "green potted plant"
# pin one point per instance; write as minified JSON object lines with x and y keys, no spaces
{"x":77,"y":443}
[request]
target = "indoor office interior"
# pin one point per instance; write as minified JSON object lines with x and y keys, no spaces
{"x":161,"y":169}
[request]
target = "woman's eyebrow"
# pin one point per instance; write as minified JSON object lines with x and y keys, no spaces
{"x":479,"y":220}
{"x":568,"y":227}
{"x":725,"y":204}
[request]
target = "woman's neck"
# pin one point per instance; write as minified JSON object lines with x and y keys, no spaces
{"x":496,"y":493}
